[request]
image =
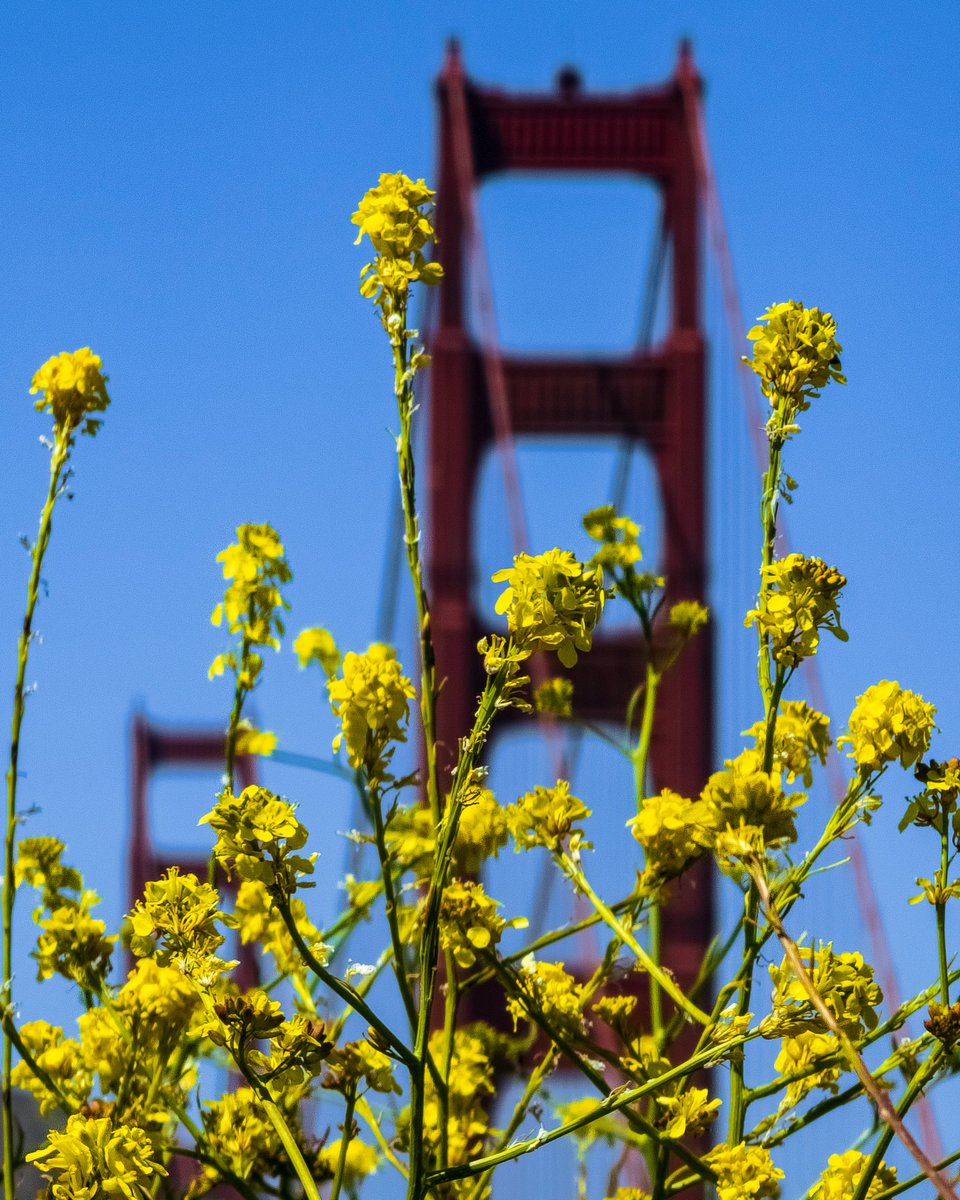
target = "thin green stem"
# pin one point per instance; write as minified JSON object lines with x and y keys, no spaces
{"x":390,"y":903}
{"x":641,"y":755}
{"x":942,"y":913}
{"x":907,"y":1184}
{"x":58,"y":461}
{"x":738,"y":1106}
{"x":344,"y":1144}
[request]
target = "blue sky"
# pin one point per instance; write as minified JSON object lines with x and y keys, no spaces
{"x":178,"y":181}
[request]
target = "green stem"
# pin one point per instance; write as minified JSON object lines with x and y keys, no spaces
{"x":642,"y":753}
{"x":344,"y":1144}
{"x":738,"y":1105}
{"x":942,"y":914}
{"x":58,"y":461}
{"x":907,"y":1184}
{"x":390,"y":902}
{"x":656,"y":996}
{"x":575,"y":872}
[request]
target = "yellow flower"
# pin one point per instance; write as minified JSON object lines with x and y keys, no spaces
{"x":255,"y":741}
{"x":256,"y":567}
{"x":888,"y":723}
{"x":744,"y":797}
{"x":360,"y":1062}
{"x":664,"y":829}
{"x":795,"y":353}
{"x":548,"y":990}
{"x":360,"y":1161}
{"x":800,"y":600}
{"x":547,"y":817}
{"x":688,"y":617}
{"x":158,"y":997}
{"x":801,"y":735}
{"x":482,"y":831}
{"x":842,"y":1175}
{"x":799,"y":1053}
{"x":396,"y":216}
{"x":94,"y":1160}
{"x":845,"y":983}
{"x":744,"y":1171}
{"x":372,"y":700}
{"x":60,"y":1059}
{"x":554,"y":697}
{"x":38,"y":864}
{"x":256,"y":833}
{"x":73,"y":387}
{"x":176,"y":922}
{"x":469,"y":924}
{"x":687,"y":1114}
{"x":75,"y":945}
{"x":259,"y":920}
{"x":617,"y":535}
{"x":240,"y":1136}
{"x":317,"y":645}
{"x":552,"y":602}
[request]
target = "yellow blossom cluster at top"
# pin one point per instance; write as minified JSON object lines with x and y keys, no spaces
{"x":663,"y":829}
{"x":548,"y":817}
{"x":257,"y":833}
{"x":396,"y":216}
{"x":798,"y":1054}
{"x":799,"y":600}
{"x":746,"y":801}
{"x":552,"y":602}
{"x":372,"y":699}
{"x":618,"y":537}
{"x":888,"y":723}
{"x":744,"y":1172}
{"x":801,"y":735}
{"x":547,"y":990}
{"x":469,"y":923}
{"x":845,"y":983}
{"x":317,"y":645}
{"x":74,"y":387}
{"x":256,"y":567}
{"x":795,"y":353}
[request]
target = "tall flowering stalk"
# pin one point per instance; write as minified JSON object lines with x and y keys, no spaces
{"x":73,"y":389}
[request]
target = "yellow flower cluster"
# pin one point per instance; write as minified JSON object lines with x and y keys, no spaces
{"x":548,"y":817}
{"x":799,"y":600}
{"x":372,"y":700}
{"x":317,"y":645}
{"x":618,"y":538}
{"x":396,"y":216}
{"x":840,"y":1179}
{"x":59,"y":1057}
{"x":663,"y":829}
{"x":74,"y":387}
{"x":156,"y":1000}
{"x":360,"y":1161}
{"x":554,"y":697}
{"x":359,"y":1062}
{"x":801,"y":735}
{"x":240,"y":1137}
{"x":256,"y":568}
{"x":549,"y":992}
{"x":687,"y":618}
{"x":795,"y":353}
{"x":552,"y":602}
{"x":469,"y":924}
{"x":176,"y":922}
{"x":94,"y":1160}
{"x":257,"y":834}
{"x":888,"y":723}
{"x":688,"y":1114}
{"x":482,"y":832}
{"x":469,"y":1089}
{"x":744,"y":1171}
{"x":844,"y":981}
{"x":799,"y":1054}
{"x":39,"y":865}
{"x":743,"y":797}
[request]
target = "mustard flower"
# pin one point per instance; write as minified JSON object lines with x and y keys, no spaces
{"x":75,"y":945}
{"x":644,"y":1061}
{"x":800,"y":600}
{"x":354,"y":1063}
{"x":618,"y":538}
{"x":257,"y":835}
{"x":845,"y":983}
{"x":372,"y":699}
{"x":93,"y":1160}
{"x":688,"y":1114}
{"x":801,"y":735}
{"x":103,"y":1052}
{"x":547,"y":817}
{"x":469,"y":924}
{"x":687,"y":618}
{"x":554,"y":697}
{"x":743,"y":796}
{"x":888,"y":723}
{"x":552,"y":602}
{"x":176,"y":923}
{"x":663,"y":827}
{"x":843,"y":1173}
{"x":317,"y":645}
{"x":795,"y":353}
{"x":360,"y":1161}
{"x":38,"y":864}
{"x":256,"y":568}
{"x":240,"y":1136}
{"x":60,"y":1059}
{"x":799,"y":1053}
{"x":943,"y":1022}
{"x":258,"y":920}
{"x":157,"y":998}
{"x":551,"y":992}
{"x":396,"y":216}
{"x":482,"y":832}
{"x":744,"y":1170}
{"x":74,"y":387}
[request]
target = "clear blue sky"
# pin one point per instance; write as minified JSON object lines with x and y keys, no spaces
{"x":178,"y":181}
